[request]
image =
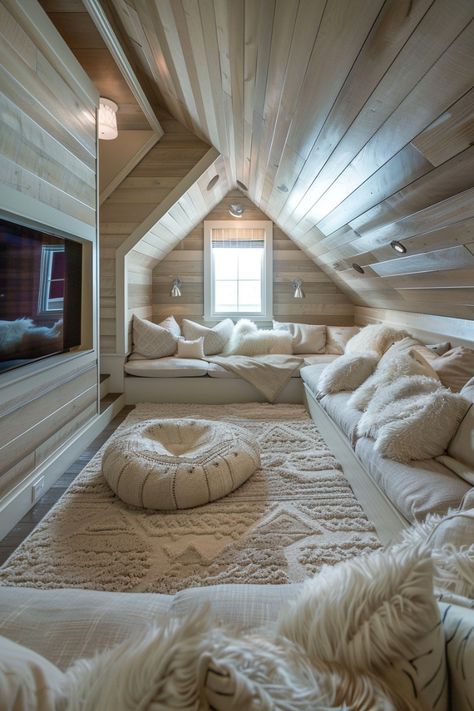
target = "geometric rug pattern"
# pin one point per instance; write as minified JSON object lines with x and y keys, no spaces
{"x":292,"y":516}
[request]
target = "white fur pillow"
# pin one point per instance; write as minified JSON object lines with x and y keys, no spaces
{"x":347,"y":372}
{"x":412,"y":418}
{"x":151,"y":340}
{"x":376,"y":337}
{"x":377,"y":613}
{"x":215,"y":338}
{"x":392,"y":366}
{"x":248,"y":340}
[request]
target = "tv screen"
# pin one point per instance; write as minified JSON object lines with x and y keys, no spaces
{"x":40,"y":294}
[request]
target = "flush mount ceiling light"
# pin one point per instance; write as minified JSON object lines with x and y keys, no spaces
{"x":212,"y":182}
{"x":282,"y":188}
{"x":398,"y":246}
{"x":236,"y":209}
{"x":107,"y":119}
{"x":176,"y":287}
{"x":358,"y":268}
{"x":298,"y":292}
{"x":242,"y":185}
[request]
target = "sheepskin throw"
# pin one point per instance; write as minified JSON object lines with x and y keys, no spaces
{"x":347,"y":372}
{"x":248,"y":340}
{"x":177,"y":464}
{"x":376,"y":337}
{"x":412,"y":418}
{"x":391,"y":367}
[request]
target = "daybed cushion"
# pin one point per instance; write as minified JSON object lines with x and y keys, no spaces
{"x":415,"y":489}
{"x":167,"y":368}
{"x":345,"y":416}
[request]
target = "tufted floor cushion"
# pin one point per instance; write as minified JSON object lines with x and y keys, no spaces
{"x":177,"y":464}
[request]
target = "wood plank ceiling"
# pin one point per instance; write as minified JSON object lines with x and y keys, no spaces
{"x":350,"y":122}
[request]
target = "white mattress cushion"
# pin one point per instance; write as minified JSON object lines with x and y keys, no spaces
{"x":415,"y":489}
{"x":63,"y":625}
{"x":167,"y":368}
{"x":345,"y":416}
{"x":316,"y":358}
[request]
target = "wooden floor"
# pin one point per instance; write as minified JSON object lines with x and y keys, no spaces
{"x":47,"y":501}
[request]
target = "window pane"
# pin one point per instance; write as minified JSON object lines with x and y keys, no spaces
{"x":225,"y":263}
{"x":250,"y":263}
{"x":56,"y":289}
{"x":58,"y":264}
{"x":250,"y":298}
{"x":226,"y":296}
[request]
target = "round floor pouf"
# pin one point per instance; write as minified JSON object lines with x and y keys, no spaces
{"x":177,"y":464}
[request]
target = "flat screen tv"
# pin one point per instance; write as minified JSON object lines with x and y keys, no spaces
{"x":40,"y":294}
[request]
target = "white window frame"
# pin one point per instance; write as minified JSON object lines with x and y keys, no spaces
{"x":46,"y":305}
{"x":266,"y":313}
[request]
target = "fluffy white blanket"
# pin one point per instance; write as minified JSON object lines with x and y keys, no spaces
{"x":248,"y":340}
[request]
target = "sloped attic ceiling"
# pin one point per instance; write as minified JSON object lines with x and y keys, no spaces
{"x":349,"y":121}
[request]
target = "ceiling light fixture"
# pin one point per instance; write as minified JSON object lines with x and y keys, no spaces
{"x":236,"y":209}
{"x":242,"y":185}
{"x":282,"y":188}
{"x":107,"y":119}
{"x":358,"y":268}
{"x":298,"y":292}
{"x":176,"y":288}
{"x":212,"y":182}
{"x":398,"y":246}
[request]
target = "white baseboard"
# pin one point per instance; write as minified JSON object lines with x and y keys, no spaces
{"x":19,"y":501}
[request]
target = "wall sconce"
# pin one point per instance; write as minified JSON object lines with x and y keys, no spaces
{"x":236,"y":209}
{"x":176,"y":288}
{"x":298,"y":292}
{"x":107,"y":119}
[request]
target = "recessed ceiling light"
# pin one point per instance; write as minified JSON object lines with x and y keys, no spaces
{"x":212,"y":182}
{"x":398,"y":247}
{"x":282,"y":188}
{"x":236,"y":209}
{"x":358,"y":268}
{"x":242,"y":185}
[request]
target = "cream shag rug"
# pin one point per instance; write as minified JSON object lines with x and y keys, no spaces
{"x":292,"y":516}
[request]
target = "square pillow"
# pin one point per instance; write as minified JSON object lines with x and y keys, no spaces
{"x":151,"y":340}
{"x":455,"y":367}
{"x":190,"y":349}
{"x":305,"y":337}
{"x":27,"y":680}
{"x":337,"y":338}
{"x":215,"y":338}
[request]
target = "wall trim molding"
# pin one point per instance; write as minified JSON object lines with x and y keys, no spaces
{"x":128,"y":167}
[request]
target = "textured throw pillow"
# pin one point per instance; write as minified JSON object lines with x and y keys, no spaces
{"x":347,"y":372}
{"x":27,"y":680}
{"x":395,"y":364}
{"x":306,"y":338}
{"x":375,"y":338}
{"x":461,"y":447}
{"x":412,"y":418}
{"x":375,"y":613}
{"x":337,"y":338}
{"x":455,"y":367}
{"x":151,"y":340}
{"x":190,"y":349}
{"x":248,"y":340}
{"x":215,"y":338}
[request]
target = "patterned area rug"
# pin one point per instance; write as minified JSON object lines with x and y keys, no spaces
{"x":292,"y":516}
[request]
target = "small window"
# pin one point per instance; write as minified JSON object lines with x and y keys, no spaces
{"x":238,"y":269}
{"x":51,"y":293}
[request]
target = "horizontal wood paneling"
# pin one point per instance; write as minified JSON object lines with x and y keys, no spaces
{"x":324,"y":302}
{"x":48,"y":174}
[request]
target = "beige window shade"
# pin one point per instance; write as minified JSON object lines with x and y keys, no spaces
{"x":233,"y":237}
